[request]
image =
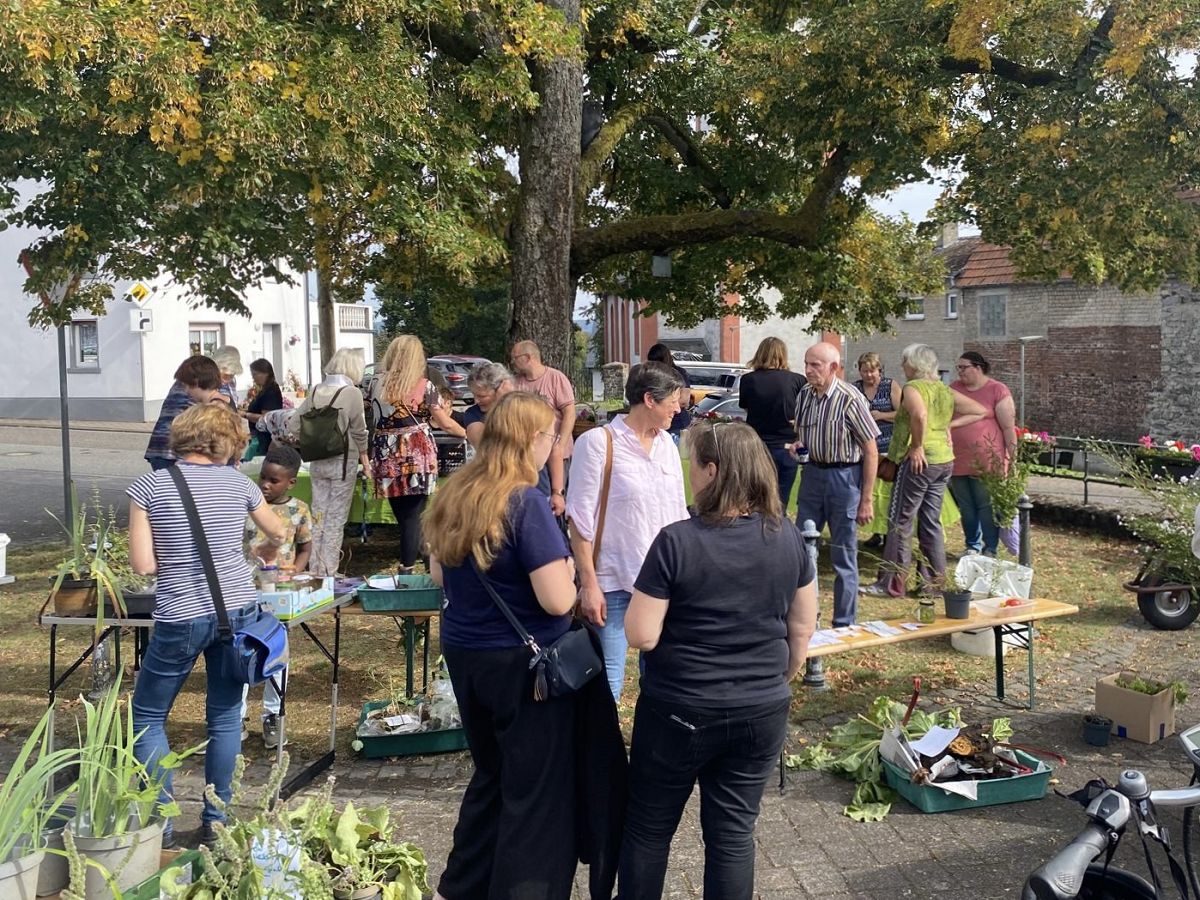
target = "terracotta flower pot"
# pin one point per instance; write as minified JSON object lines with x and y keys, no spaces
{"x":75,"y":598}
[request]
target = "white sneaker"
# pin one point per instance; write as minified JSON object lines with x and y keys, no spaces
{"x":270,"y":729}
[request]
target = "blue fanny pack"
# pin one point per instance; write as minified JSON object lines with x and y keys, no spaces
{"x":259,"y":649}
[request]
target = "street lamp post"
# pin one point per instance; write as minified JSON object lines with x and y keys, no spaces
{"x":1024,"y":504}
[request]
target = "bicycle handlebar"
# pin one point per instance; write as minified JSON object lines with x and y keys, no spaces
{"x":1062,"y":876}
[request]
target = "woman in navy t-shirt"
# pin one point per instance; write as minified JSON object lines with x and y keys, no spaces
{"x":724,"y":606}
{"x":516,"y":827}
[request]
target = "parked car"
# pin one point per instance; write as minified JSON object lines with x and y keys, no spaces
{"x":723,"y":405}
{"x":712,"y":377}
{"x":456,"y":368}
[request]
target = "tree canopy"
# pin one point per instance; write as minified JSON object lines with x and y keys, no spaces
{"x":440,"y":143}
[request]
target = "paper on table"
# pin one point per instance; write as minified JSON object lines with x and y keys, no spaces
{"x":881,"y":628}
{"x":935,"y":741}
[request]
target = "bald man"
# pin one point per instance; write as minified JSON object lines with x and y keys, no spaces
{"x":533,"y":375}
{"x":834,"y":424}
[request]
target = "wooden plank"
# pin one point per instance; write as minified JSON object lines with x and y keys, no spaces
{"x":1042,"y":609}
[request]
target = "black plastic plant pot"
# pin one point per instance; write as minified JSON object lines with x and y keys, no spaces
{"x":1096,"y":730}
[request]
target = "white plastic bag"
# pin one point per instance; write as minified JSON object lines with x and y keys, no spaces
{"x":993,"y":577}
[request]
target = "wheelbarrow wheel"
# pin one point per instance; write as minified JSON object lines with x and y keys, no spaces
{"x":1170,"y":609}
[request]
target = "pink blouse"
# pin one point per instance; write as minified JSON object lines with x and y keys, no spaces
{"x":978,"y":447}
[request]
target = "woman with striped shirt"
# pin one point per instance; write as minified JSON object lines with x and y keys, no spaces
{"x":203,"y":439}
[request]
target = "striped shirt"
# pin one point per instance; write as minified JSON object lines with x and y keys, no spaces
{"x":834,"y":427}
{"x":223,"y":498}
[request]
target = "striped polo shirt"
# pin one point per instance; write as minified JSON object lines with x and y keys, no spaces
{"x":835,"y":426}
{"x":223,"y":497}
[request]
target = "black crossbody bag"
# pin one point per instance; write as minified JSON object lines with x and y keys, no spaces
{"x":260,"y":649}
{"x":563,"y":667}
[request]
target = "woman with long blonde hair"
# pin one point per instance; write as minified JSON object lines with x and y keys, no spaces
{"x":768,"y":395}
{"x":403,"y":455}
{"x":516,"y":826}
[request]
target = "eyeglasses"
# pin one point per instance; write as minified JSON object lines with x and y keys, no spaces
{"x":714,"y":424}
{"x":554,"y":436}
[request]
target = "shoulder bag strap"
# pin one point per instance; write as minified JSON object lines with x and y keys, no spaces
{"x":526,"y":638}
{"x":345,"y":435}
{"x":605,"y":484}
{"x":210,"y":570}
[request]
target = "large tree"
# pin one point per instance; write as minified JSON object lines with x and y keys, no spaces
{"x":745,"y":140}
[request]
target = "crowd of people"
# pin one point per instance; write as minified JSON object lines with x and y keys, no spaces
{"x":539,"y":533}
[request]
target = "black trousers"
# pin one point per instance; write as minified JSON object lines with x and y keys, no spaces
{"x":515,"y":838}
{"x":407,"y":511}
{"x":731,"y":754}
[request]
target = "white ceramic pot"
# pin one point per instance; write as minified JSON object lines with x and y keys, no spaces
{"x":19,"y":877}
{"x":131,"y":858}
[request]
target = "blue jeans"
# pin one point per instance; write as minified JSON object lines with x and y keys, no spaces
{"x":731,"y":754}
{"x":786,"y":466}
{"x":978,"y":521}
{"x":173,"y":651}
{"x":831,"y":496}
{"x":613,"y":640}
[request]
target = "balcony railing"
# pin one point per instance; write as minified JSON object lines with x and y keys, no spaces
{"x":354,"y":317}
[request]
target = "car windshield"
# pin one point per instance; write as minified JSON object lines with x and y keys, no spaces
{"x":712,"y":403}
{"x":700,"y":375}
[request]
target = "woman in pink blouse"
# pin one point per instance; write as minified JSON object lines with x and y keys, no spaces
{"x":985,"y":446}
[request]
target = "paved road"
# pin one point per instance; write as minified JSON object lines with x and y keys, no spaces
{"x":31,"y":475}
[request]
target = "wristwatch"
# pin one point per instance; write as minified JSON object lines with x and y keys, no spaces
{"x":557,"y":493}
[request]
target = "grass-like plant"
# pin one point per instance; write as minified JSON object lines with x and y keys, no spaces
{"x":29,"y":799}
{"x":89,"y":554}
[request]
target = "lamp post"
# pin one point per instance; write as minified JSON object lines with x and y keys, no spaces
{"x":1023,"y":341}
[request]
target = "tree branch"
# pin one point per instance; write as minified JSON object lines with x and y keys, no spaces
{"x":684,"y":142}
{"x":1098,"y":43}
{"x":827,"y":184}
{"x":1005,"y":68}
{"x":664,"y":232}
{"x":603,"y":145}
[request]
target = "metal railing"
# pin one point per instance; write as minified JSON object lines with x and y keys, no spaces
{"x":1065,"y":449}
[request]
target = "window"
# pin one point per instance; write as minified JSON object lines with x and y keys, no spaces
{"x":316,"y":336}
{"x":952,"y":305}
{"x":993,"y":315}
{"x":915,"y":308}
{"x":85,"y":346}
{"x":204,"y":339}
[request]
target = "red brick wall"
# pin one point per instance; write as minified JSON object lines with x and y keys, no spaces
{"x":1084,"y":381}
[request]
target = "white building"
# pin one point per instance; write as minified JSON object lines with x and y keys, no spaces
{"x":120,"y":364}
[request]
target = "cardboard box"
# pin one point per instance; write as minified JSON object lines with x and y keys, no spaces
{"x":1141,"y":717}
{"x":289,"y":604}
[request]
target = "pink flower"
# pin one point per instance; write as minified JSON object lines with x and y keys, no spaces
{"x":1146,"y":441}
{"x":1196,"y":452}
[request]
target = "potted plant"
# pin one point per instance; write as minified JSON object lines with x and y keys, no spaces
{"x":957,"y":597}
{"x":28,"y":803}
{"x":1173,"y":458}
{"x":84,"y":580}
{"x":118,"y":822}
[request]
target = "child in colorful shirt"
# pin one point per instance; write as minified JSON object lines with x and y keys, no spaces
{"x":277,"y":478}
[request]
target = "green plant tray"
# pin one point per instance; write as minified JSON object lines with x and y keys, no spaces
{"x":993,"y":792}
{"x":414,"y":593}
{"x":149,"y":889}
{"x":419,"y":744}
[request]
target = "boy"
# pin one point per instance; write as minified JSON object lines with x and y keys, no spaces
{"x":277,"y":478}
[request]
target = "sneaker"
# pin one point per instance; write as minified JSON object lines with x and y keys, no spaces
{"x":874,"y":590}
{"x":270,"y":728}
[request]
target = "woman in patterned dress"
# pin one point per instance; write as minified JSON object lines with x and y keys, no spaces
{"x":404,"y":461}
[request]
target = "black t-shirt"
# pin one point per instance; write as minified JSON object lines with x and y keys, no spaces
{"x":268,"y":399}
{"x":769,"y":398}
{"x":472,"y":415}
{"x":683,"y":418}
{"x":728,"y":589}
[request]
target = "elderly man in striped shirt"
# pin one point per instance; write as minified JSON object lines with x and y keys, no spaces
{"x":834,"y":424}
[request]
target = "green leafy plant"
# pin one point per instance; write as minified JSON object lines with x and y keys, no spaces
{"x":852,"y":751}
{"x":1152,"y":687}
{"x":28,"y":798}
{"x":90,"y":543}
{"x":117,"y":793}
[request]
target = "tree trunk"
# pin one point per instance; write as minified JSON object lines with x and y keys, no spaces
{"x":326,"y":323}
{"x":543,"y":290}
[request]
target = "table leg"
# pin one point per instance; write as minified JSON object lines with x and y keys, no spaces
{"x":281,"y":689}
{"x":1032,"y":678}
{"x":53,"y":689}
{"x":425,"y":661}
{"x":409,"y":653}
{"x":337,"y":652}
{"x":998,"y":635}
{"x":117,"y":653}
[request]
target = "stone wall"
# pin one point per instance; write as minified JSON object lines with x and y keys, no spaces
{"x":1175,"y":407}
{"x":615,"y":374}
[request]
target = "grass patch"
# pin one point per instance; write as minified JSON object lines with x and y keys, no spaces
{"x":1072,"y":566}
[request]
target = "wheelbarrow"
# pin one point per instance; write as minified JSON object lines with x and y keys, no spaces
{"x":1165,"y":599}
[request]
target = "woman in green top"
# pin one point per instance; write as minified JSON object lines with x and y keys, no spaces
{"x":921,"y":446}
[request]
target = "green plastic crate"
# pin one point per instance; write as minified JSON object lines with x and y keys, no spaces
{"x":992,"y":792}
{"x":149,"y":889}
{"x":413,"y":593}
{"x":419,"y":744}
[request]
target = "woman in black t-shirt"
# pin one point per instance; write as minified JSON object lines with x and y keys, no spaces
{"x":662,"y":353}
{"x":720,"y":653}
{"x":268,"y":397}
{"x":768,"y":394}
